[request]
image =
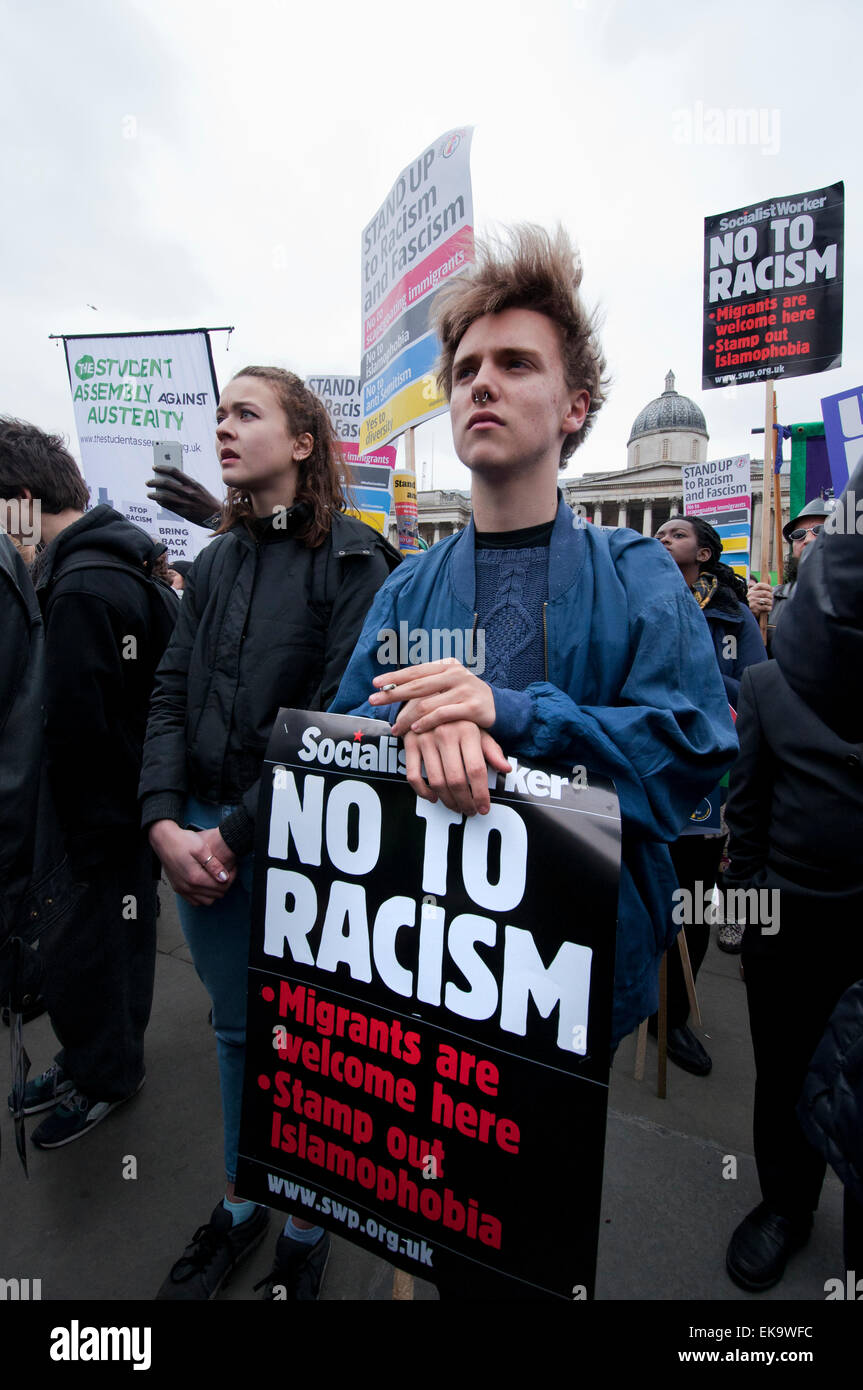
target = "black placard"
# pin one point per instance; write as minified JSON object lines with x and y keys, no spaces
{"x":429,"y":1011}
{"x":773,"y":289}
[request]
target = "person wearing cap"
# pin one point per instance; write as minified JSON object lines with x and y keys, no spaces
{"x":800,"y":531}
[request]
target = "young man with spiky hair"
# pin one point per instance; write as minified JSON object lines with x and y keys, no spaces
{"x":107,"y":623}
{"x":595,"y":652}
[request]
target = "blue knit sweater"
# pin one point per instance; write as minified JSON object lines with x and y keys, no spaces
{"x":511,"y":587}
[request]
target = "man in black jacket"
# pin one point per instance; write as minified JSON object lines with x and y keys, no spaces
{"x":107,"y":623}
{"x":794,"y":813}
{"x":37,"y":893}
{"x":762,"y":597}
{"x":21,"y":671}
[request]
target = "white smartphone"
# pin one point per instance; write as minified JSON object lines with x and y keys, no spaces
{"x":168,"y":453}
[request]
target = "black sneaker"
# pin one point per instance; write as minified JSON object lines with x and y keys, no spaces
{"x":729,"y":938}
{"x":43,"y":1092}
{"x":74,"y":1117}
{"x":298,"y":1271}
{"x":206,"y":1265}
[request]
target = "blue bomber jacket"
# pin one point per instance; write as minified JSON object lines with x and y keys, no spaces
{"x":632,"y":691}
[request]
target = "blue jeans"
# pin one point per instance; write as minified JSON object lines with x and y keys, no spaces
{"x":218,"y":937}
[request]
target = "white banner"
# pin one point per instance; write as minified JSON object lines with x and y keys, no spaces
{"x":130,"y":394}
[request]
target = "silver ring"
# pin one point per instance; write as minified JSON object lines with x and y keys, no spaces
{"x":207,"y":860}
{"x":476,"y":399}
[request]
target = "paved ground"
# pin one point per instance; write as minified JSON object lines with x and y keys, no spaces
{"x":88,"y":1232}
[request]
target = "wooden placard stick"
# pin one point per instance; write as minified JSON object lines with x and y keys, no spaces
{"x":777,"y":501}
{"x":688,"y":976}
{"x":410,"y":449}
{"x":662,"y":1029}
{"x":403,"y":1285}
{"x":766,"y":495}
{"x":640,"y":1051}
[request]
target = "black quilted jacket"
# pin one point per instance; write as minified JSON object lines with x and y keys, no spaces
{"x":831,"y":1105}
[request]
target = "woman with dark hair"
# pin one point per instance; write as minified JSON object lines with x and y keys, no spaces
{"x":696,"y":548}
{"x":272,"y":609}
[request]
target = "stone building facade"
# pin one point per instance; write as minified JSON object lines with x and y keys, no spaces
{"x":668,"y":432}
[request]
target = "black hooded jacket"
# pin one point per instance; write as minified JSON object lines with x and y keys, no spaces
{"x":21,"y":673}
{"x":795,"y":804}
{"x":819,"y":644}
{"x":266,"y":622}
{"x":106,"y":626}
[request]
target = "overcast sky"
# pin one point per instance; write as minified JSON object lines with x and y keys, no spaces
{"x":184,"y":164}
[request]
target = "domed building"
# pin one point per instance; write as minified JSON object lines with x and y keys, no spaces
{"x":669,"y":428}
{"x":669,"y":431}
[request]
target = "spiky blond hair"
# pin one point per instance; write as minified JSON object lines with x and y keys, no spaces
{"x":531,"y":270}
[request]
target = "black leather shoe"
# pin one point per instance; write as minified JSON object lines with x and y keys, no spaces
{"x":686,"y":1051}
{"x":761,"y":1245}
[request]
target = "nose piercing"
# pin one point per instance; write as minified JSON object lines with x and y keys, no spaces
{"x":476,"y":399}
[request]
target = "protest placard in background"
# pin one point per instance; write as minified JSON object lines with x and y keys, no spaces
{"x":369,"y":481}
{"x":773,"y":289}
{"x":341,"y":396}
{"x":429,"y":1010}
{"x":720,"y":491}
{"x":407,"y":512}
{"x":421,"y":234}
{"x":843,"y":430}
{"x":130,"y":392}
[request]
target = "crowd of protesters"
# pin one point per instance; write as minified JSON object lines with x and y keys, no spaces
{"x":138,"y":695}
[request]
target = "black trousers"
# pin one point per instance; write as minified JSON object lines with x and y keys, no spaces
{"x":99,"y":976}
{"x":852,"y":1233}
{"x":696,"y":862}
{"x":793,"y":983}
